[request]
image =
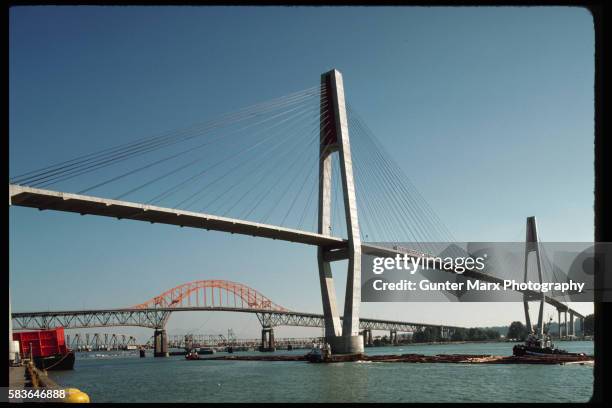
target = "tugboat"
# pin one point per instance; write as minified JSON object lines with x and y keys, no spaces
{"x":192,"y":355}
{"x":319,"y":354}
{"x":540,"y":346}
{"x":535,"y":346}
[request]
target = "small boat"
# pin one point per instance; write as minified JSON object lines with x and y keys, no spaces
{"x":315,"y":355}
{"x":192,"y":355}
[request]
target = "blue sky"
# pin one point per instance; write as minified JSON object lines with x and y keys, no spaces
{"x":489,"y":111}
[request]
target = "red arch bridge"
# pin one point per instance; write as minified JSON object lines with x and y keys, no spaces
{"x":205,"y":295}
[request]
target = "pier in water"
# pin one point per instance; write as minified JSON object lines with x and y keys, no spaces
{"x":124,"y":377}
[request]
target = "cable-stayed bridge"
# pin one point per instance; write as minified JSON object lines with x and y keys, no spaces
{"x":284,"y":169}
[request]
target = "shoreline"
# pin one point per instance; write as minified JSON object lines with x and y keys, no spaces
{"x":434,"y":343}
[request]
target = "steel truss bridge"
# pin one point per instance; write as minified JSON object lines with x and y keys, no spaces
{"x":203,"y":295}
{"x":99,"y":341}
{"x":201,"y":340}
{"x":156,"y":318}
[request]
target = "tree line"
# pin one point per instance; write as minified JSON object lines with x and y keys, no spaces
{"x":432,"y":334}
{"x":517,"y":330}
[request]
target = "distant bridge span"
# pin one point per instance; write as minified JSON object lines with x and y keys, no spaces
{"x":201,"y":295}
{"x":156,"y":318}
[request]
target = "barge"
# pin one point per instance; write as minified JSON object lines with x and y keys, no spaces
{"x":46,"y":348}
{"x":420,"y":358}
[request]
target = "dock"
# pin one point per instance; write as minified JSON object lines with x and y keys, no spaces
{"x":17,"y":377}
{"x":28,"y":375}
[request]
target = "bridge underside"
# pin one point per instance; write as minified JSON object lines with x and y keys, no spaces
{"x":88,"y":205}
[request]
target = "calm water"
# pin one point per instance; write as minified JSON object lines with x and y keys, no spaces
{"x":124,"y":377}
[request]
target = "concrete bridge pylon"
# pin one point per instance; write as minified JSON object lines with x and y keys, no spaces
{"x":334,"y":138}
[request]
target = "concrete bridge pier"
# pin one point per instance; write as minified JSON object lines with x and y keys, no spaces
{"x":160,"y":342}
{"x":443,"y":333}
{"x":393,"y":337}
{"x":267,"y":339}
{"x":559,"y":321}
{"x":366,"y":334}
{"x":572,"y":325}
{"x":449,"y":332}
{"x":566,"y":324}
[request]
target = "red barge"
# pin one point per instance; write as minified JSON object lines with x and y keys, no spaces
{"x":47,"y":348}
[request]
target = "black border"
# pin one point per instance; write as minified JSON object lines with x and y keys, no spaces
{"x":602,"y":145}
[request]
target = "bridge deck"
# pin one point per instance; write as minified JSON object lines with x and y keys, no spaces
{"x":129,"y":316}
{"x":82,"y":204}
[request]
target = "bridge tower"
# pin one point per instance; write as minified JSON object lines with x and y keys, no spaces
{"x":532,"y":245}
{"x":334,"y":138}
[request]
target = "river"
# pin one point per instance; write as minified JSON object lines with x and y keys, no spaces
{"x":122,"y":376}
